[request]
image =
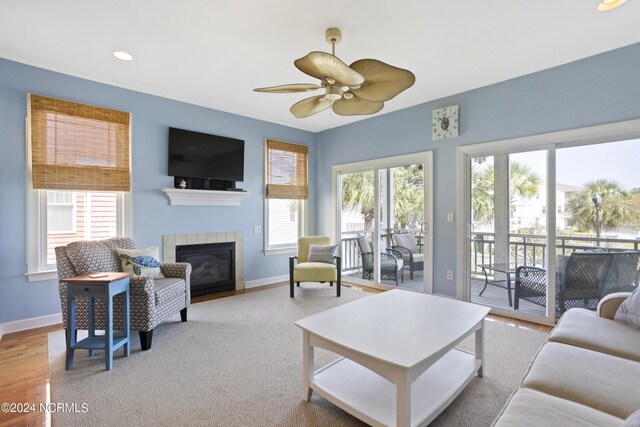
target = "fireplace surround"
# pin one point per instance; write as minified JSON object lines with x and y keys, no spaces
{"x":171,"y":243}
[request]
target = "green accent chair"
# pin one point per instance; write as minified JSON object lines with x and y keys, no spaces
{"x":305,"y":271}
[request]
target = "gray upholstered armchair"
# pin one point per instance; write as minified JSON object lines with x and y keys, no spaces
{"x":151,"y":300}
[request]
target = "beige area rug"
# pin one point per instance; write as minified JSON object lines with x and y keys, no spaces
{"x":238,"y":362}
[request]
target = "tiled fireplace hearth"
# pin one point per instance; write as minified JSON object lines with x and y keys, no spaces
{"x":171,"y":241}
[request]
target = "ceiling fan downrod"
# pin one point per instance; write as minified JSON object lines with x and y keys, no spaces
{"x":333,"y":36}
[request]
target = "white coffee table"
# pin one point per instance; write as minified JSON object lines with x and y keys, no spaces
{"x":400,"y":364}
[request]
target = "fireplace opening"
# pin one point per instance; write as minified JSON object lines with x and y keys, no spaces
{"x":212,"y":266}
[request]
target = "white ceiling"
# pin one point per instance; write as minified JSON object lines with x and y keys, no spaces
{"x":214,"y":52}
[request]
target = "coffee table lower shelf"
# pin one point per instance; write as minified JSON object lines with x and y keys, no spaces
{"x":371,"y":398}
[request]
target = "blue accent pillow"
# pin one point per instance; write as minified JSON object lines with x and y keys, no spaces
{"x":141,"y":262}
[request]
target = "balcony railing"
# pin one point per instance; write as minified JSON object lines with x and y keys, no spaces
{"x":532,"y":248}
{"x":523,"y":248}
{"x":351,"y":260}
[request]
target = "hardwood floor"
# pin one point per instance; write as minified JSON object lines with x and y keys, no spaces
{"x":24,"y":363}
{"x":24,"y":375}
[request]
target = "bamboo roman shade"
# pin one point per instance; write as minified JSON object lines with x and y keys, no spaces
{"x":78,"y":147}
{"x":286,"y":170}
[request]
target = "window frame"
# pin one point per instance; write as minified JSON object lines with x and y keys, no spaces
{"x":37,"y":267}
{"x":302,"y":229}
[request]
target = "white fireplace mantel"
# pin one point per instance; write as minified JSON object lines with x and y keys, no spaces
{"x":186,"y":197}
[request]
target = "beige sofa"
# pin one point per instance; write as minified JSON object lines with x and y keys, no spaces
{"x":586,"y":374}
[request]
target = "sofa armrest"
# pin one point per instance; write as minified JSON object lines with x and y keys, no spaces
{"x":608,"y":305}
{"x":176,"y":270}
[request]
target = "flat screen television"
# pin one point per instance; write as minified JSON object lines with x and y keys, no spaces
{"x":200,"y":155}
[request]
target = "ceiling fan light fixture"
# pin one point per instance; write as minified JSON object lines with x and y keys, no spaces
{"x":333,"y":93}
{"x":610,"y":4}
{"x":347,"y":95}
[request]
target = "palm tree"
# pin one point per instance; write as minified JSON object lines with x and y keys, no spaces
{"x":523,"y":184}
{"x":408,"y":184}
{"x":358,"y":193}
{"x":614,"y":204}
{"x":482,"y":193}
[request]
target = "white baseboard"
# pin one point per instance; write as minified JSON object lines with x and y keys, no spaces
{"x":266,"y":281}
{"x":31,"y":323}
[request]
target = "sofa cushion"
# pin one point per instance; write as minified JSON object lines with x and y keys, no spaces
{"x":583,"y":328}
{"x":168,"y":290}
{"x":633,"y":420}
{"x":530,"y":408}
{"x":92,"y":256}
{"x":603,"y":382}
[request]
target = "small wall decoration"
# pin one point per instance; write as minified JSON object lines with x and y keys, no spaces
{"x":445,"y":122}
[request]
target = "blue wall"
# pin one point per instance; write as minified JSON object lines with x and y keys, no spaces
{"x":153,"y":216}
{"x":597,"y":90}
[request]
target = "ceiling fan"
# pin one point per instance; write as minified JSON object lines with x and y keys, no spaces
{"x":358,"y":89}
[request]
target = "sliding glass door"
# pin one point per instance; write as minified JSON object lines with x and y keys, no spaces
{"x":383,"y":208}
{"x":357,"y":200}
{"x":550,"y":227}
{"x":509,"y":231}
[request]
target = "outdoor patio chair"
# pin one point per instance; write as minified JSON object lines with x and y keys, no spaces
{"x":408,"y":246}
{"x":583,"y":275}
{"x":622,"y":275}
{"x":531,"y":285}
{"x":391,"y":263}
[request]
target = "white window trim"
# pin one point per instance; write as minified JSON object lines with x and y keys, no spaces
{"x":284,"y":249}
{"x":375,"y":165}
{"x":36,"y":201}
{"x":37,"y":267}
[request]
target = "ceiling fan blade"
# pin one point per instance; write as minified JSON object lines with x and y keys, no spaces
{"x":356,"y":106}
{"x":296,"y":87}
{"x":309,"y":106}
{"x":382,"y":81}
{"x":322,"y":65}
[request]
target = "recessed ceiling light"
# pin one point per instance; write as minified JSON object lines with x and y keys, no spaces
{"x":122,"y":55}
{"x":610,"y":4}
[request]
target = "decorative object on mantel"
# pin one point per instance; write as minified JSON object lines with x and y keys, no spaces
{"x":445,"y":122}
{"x":179,"y":197}
{"x":183,"y":184}
{"x":358,"y":89}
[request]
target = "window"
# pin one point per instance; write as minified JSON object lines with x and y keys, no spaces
{"x":283,"y":227}
{"x":61,"y":212}
{"x":286,"y":191}
{"x":79,"y":180}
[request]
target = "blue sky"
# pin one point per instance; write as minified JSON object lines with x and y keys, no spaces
{"x":617,"y":161}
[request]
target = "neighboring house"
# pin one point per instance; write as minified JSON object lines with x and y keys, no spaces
{"x":78,"y":216}
{"x":530,"y":215}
